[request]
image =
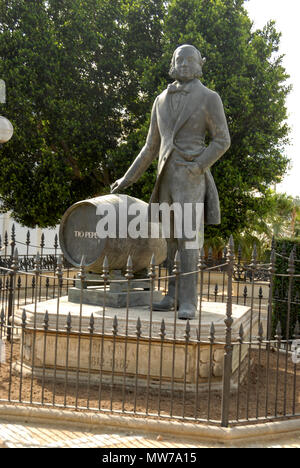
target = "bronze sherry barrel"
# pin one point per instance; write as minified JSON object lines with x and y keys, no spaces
{"x":81,"y":234}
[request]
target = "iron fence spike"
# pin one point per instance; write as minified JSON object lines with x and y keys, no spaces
{"x":162,"y":327}
{"x":278,"y":330}
{"x":105,"y":263}
{"x":24,"y":316}
{"x":115,"y":325}
{"x":92,"y":323}
{"x":292,"y":258}
{"x":273,"y":245}
{"x":138,"y":327}
{"x":273,"y":257}
{"x":46,"y":317}
{"x":129,"y":263}
{"x":177,"y":257}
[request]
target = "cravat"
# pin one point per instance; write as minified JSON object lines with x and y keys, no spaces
{"x":177,"y":88}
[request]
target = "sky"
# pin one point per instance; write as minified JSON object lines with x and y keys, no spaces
{"x":286,"y":15}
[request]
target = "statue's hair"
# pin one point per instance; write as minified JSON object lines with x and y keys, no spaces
{"x":198,"y":70}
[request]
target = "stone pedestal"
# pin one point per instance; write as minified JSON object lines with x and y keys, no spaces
{"x":116,"y":292}
{"x":108,"y":351}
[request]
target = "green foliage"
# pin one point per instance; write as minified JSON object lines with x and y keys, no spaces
{"x":81,"y":78}
{"x":284,"y":248}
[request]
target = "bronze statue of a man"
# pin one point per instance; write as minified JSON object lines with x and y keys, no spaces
{"x":181,"y":117}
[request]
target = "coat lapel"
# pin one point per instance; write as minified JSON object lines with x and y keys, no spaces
{"x":165,"y":111}
{"x":190,"y":104}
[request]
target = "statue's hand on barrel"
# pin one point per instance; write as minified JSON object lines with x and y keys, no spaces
{"x":118,"y":185}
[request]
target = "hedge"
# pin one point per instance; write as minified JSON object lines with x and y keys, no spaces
{"x":283,"y":248}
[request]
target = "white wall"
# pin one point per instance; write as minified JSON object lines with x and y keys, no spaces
{"x":6,"y":222}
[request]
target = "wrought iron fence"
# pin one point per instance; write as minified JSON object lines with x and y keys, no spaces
{"x":224,"y":367}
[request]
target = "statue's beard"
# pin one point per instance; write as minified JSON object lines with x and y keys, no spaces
{"x":176,"y":75}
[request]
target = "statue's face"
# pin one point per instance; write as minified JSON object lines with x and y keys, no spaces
{"x":186,"y":63}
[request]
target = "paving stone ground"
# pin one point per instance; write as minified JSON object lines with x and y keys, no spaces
{"x":33,"y":435}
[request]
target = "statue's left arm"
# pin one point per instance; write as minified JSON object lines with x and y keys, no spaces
{"x":218,"y":130}
{"x":148,"y":153}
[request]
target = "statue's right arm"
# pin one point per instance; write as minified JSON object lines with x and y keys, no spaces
{"x":148,"y":153}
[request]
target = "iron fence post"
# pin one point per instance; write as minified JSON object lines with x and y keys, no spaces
{"x":227,"y":369}
{"x":13,"y":240}
{"x":11,"y":294}
{"x":272,"y":271}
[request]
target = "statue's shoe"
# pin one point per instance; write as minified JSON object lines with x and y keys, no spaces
{"x":166,"y":304}
{"x":186,"y":313}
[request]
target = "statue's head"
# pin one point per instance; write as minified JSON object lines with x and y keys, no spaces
{"x":186,"y":63}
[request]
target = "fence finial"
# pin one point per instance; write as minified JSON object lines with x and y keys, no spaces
{"x":46,"y":320}
{"x":138,"y":328}
{"x":151,"y":273}
{"x":105,"y":263}
{"x":129,"y":269}
{"x":42,"y":244}
{"x":69,"y":322}
{"x":15,"y":260}
{"x":240,"y":253}
{"x":129,"y":262}
{"x":212,"y":332}
{"x":278,"y":335}
{"x":241,"y":333}
{"x":254,"y":254}
{"x":273,"y":245}
{"x":92,"y":324}
{"x":16,"y":255}
{"x":231,"y":243}
{"x":115,"y":326}
{"x":105,"y":269}
{"x":162,"y":329}
{"x":24,"y":318}
{"x":201,"y":260}
{"x":55,"y":241}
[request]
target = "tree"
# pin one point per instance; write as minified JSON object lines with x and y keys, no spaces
{"x":242,"y":67}
{"x":70,"y":91}
{"x":295,"y":225}
{"x":82,"y":77}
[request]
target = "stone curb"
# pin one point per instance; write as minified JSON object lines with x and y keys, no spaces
{"x":171,"y":428}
